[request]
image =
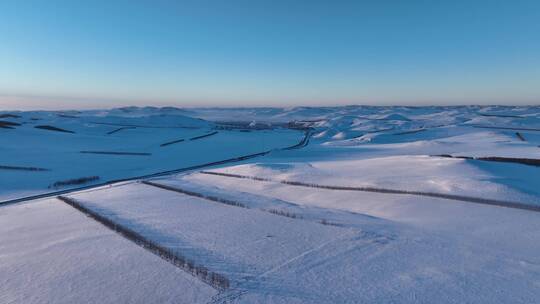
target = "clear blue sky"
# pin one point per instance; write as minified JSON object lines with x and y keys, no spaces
{"x":88,"y":54}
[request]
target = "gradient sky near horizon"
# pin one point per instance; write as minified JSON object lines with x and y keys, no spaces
{"x":91,"y":54}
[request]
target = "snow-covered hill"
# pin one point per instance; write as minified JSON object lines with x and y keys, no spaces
{"x":273,"y":205}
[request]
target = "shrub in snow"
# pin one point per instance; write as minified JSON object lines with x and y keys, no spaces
{"x":74,"y":181}
{"x":283,"y":213}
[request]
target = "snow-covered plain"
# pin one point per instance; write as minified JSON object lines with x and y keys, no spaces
{"x":276,"y":239}
{"x":51,"y":253}
{"x":60,"y":152}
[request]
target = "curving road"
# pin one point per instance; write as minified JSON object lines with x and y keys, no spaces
{"x":162,"y":173}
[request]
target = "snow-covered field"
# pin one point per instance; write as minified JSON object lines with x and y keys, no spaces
{"x":51,"y":253}
{"x":65,"y":156}
{"x":380,"y":205}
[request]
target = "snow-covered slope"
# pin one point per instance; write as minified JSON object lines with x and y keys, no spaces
{"x":51,"y":253}
{"x":115,"y":146}
{"x":373,"y":205}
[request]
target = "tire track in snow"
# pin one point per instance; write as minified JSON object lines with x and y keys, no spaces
{"x":234,"y":294}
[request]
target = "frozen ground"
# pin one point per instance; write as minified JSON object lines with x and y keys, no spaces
{"x":142,"y":137}
{"x":282,"y":227}
{"x":51,"y":253}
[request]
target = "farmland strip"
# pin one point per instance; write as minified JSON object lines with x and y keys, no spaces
{"x":213,"y":279}
{"x":196,"y":194}
{"x":462,"y":198}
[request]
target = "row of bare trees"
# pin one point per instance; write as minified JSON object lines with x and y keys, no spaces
{"x":213,"y":279}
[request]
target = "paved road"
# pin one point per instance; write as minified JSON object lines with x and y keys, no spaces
{"x":162,"y":173}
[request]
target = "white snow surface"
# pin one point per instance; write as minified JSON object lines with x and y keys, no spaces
{"x":51,"y":253}
{"x":334,"y":246}
{"x":60,"y":153}
{"x":393,"y":257}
